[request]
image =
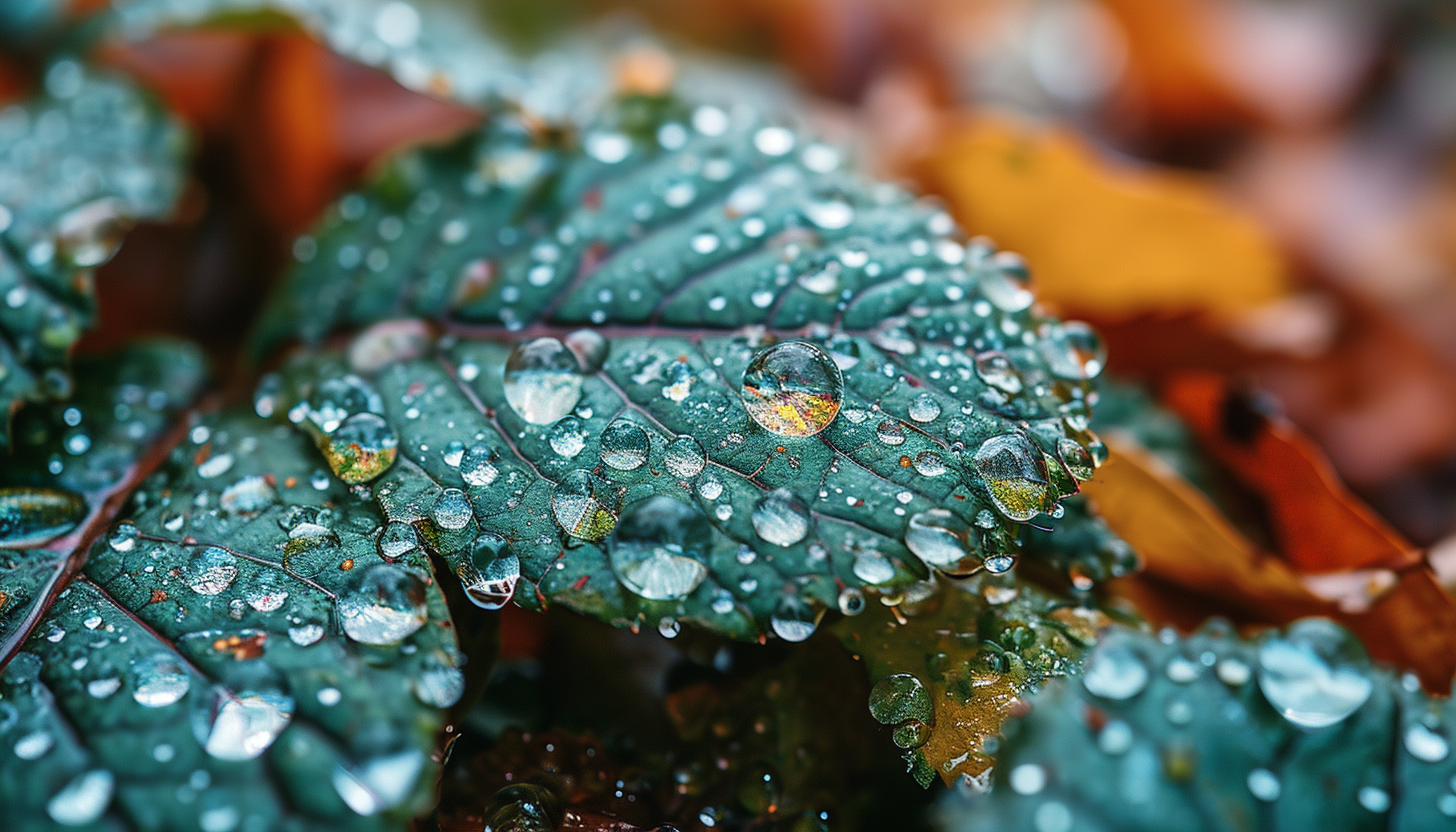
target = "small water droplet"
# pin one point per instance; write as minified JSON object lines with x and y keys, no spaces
{"x":542,"y":380}
{"x":899,"y":697}
{"x":241,"y":724}
{"x":929,"y":464}
{"x":780,"y":518}
{"x":1115,"y":670}
{"x":851,"y":601}
{"x":657,"y":549}
{"x":567,"y":437}
{"x":684,"y":457}
{"x":625,"y":445}
{"x":361,"y":449}
{"x":996,"y":369}
{"x":793,"y":619}
{"x":1316,"y":673}
{"x":32,"y":516}
{"x":159,"y":680}
{"x":83,"y":800}
{"x":1073,"y":351}
{"x":1015,"y":474}
{"x":210,"y":570}
{"x":793,"y":389}
{"x":940,"y":539}
{"x":890,"y":433}
{"x":1425,"y":744}
{"x":452,"y":510}
{"x":925,"y":408}
{"x":584,"y":505}
{"x":490,"y":579}
{"x":385,"y":604}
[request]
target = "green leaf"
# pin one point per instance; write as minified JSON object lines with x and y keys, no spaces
{"x":85,"y":454}
{"x":1295,"y":731}
{"x":236,"y":650}
{"x":696,"y":242}
{"x":77,"y":166}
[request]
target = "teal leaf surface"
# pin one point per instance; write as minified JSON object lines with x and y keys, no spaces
{"x":1295,"y":731}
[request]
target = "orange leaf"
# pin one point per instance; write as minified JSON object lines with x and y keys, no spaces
{"x":1103,"y":241}
{"x":1319,"y":525}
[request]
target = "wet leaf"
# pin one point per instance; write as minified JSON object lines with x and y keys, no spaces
{"x":1293,"y":731}
{"x":89,"y":452}
{"x":79,"y":164}
{"x":237,"y":649}
{"x":890,"y":401}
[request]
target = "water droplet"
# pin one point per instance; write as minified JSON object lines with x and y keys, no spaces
{"x":102,"y":688}
{"x":123,"y":536}
{"x":684,"y":458}
{"x":780,"y":518}
{"x":568,"y":437}
{"x":1425,"y":744}
{"x":924,"y":408}
{"x":890,"y":433}
{"x":305,"y":634}
{"x":899,"y":697}
{"x":1374,"y":799}
{"x":1006,"y":285}
{"x":939,"y":539}
{"x":584,"y":505}
{"x":336,"y":399}
{"x":397,"y":540}
{"x":32,"y":516}
{"x":668,"y":627}
{"x":542,"y":380}
{"x":385,"y":604}
{"x":215,"y":466}
{"x":830,"y":213}
{"x":1073,"y":351}
{"x":996,"y":369}
{"x":792,"y":389}
{"x":851,"y":601}
{"x":710,"y":488}
{"x":873,"y":568}
{"x":210,"y":570}
{"x":362,"y":448}
{"x":452,"y":510}
{"x":34,"y":745}
{"x":83,"y":800}
{"x":1115,"y":670}
{"x":625,"y":445}
{"x":1078,"y":460}
{"x":793,"y":619}
{"x":90,"y":234}
{"x":912,"y":734}
{"x":1315,"y":673}
{"x":490,"y":579}
{"x":248,"y":496}
{"x":929,"y":464}
{"x":679,"y":377}
{"x":242,"y":724}
{"x":159,"y":680}
{"x":1027,"y":779}
{"x":1015,"y":474}
{"x":440,"y":684}
{"x":658,"y":548}
{"x":589,"y":347}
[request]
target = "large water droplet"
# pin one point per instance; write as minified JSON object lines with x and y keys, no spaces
{"x":793,"y":389}
{"x":1115,"y":670}
{"x":658,"y":549}
{"x":32,"y":516}
{"x":362,"y":448}
{"x":240,"y":724}
{"x":780,"y":518}
{"x":584,"y":505}
{"x":337,"y":398}
{"x":159,"y":681}
{"x":1425,"y":744}
{"x":90,"y":234}
{"x":568,"y":437}
{"x":899,"y":697}
{"x":996,"y":369}
{"x":379,"y":784}
{"x":477,"y":465}
{"x":684,"y":458}
{"x":890,"y":433}
{"x":542,"y":380}
{"x":397,"y":540}
{"x":925,"y":408}
{"x":793,"y":619}
{"x":452,"y":510}
{"x":625,"y":445}
{"x":1315,"y":674}
{"x":491,"y":576}
{"x":1006,"y":284}
{"x":940,"y":539}
{"x":210,"y":570}
{"x":386,"y":604}
{"x":83,"y":800}
{"x":1073,"y":351}
{"x":1015,"y":473}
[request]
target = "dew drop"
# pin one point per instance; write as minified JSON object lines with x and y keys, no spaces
{"x":929,"y":464}
{"x":780,"y":518}
{"x":242,"y":724}
{"x":625,"y":445}
{"x":491,"y":576}
{"x":890,"y":433}
{"x":1073,"y":351}
{"x":83,"y":800}
{"x":362,"y":448}
{"x":542,"y":380}
{"x":1315,"y":673}
{"x":385,"y":604}
{"x":567,"y":437}
{"x":1015,"y":474}
{"x":793,"y":618}
{"x":32,"y":516}
{"x":1425,"y":744}
{"x":924,"y":408}
{"x":792,"y":389}
{"x":159,"y":680}
{"x":1115,"y":670}
{"x":899,"y":697}
{"x":452,"y":510}
{"x":851,"y":601}
{"x":582,"y":505}
{"x":996,"y":369}
{"x":658,"y":549}
{"x":210,"y":570}
{"x":397,"y":540}
{"x":684,"y":457}
{"x":939,"y":539}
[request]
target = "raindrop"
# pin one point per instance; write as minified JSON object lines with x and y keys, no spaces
{"x":248,"y":496}
{"x":1425,"y":744}
{"x":873,"y":568}
{"x":385,"y":604}
{"x":452,"y":510}
{"x":684,"y":457}
{"x":1073,"y":351}
{"x":625,"y":445}
{"x":851,"y":601}
{"x":211,"y":570}
{"x":494,"y":569}
{"x":397,"y":540}
{"x":1115,"y":670}
{"x":912,"y":734}
{"x":890,"y":433}
{"x":123,"y":536}
{"x":1374,"y":799}
{"x":241,"y":724}
{"x":658,"y":549}
{"x":159,"y":680}
{"x":1027,"y":779}
{"x":899,"y":697}
{"x":589,"y":347}
{"x":668,"y":627}
{"x":542,"y":380}
{"x":83,"y":800}
{"x":780,"y":518}
{"x":32,"y":516}
{"x":1078,"y":460}
{"x":381,"y":783}
{"x":305,"y":634}
{"x":929,"y":464}
{"x":582,"y":506}
{"x":996,"y":369}
{"x":938,"y":538}
{"x":793,"y":618}
{"x":829,"y":213}
{"x":1315,"y":673}
{"x":1015,"y":474}
{"x":792,"y":389}
{"x":1006,"y":285}
{"x":362,"y":448}
{"x":567,"y":437}
{"x":924,"y":408}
